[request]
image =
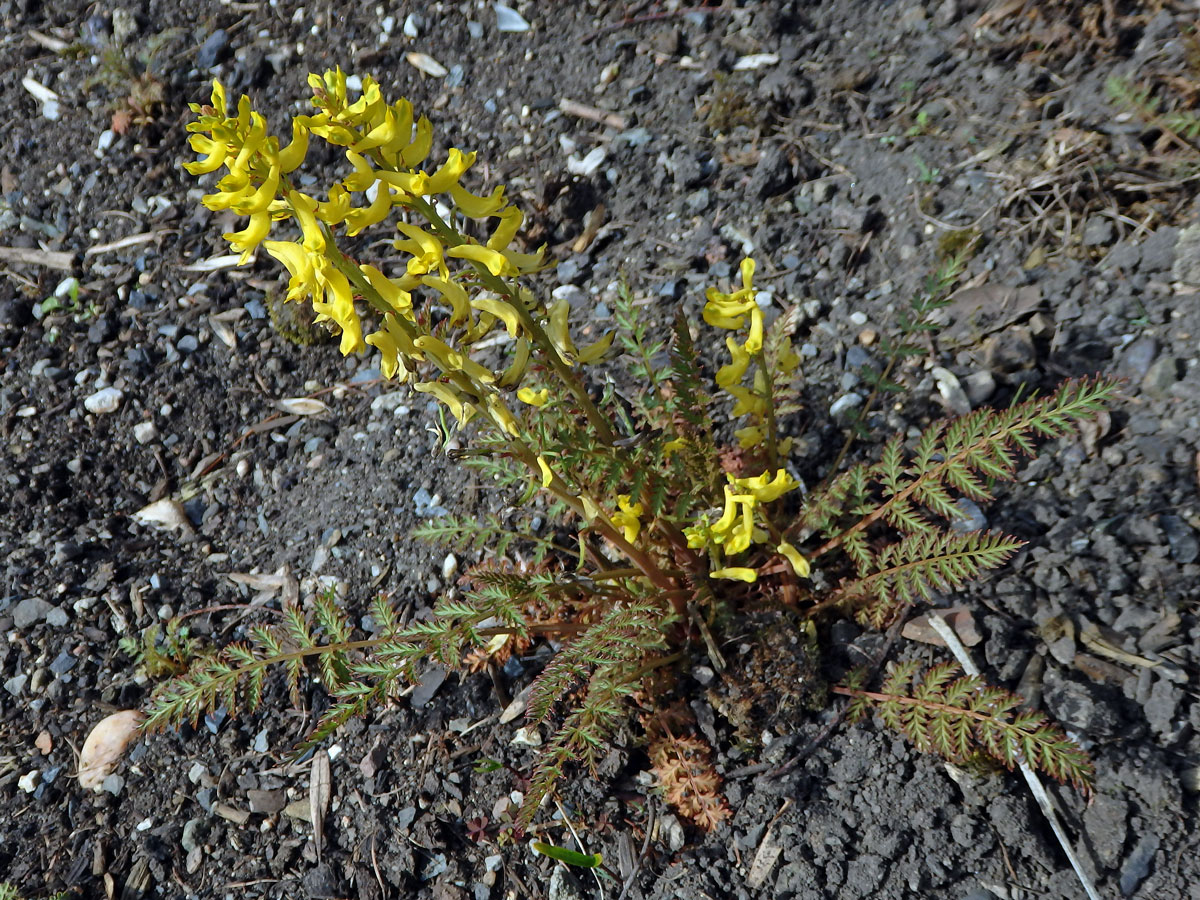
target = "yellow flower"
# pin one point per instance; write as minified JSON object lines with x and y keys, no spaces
{"x":475,"y":207}
{"x":547,"y":472}
{"x":766,"y":488}
{"x":799,"y":564}
{"x":425,"y":248}
{"x":733,"y":372}
{"x":628,"y":518}
{"x":245,"y":241}
{"x":396,"y":346}
{"x":736,"y":573}
{"x":336,"y":304}
{"x":460,"y":407}
{"x":298,"y":262}
{"x":495,"y":262}
{"x":451,"y":361}
{"x":502,"y":310}
{"x":534,"y":398}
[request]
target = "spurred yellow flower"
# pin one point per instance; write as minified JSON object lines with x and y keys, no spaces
{"x":534,"y":398}
{"x":628,"y":517}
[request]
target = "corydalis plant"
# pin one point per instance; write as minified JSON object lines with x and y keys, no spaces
{"x":672,"y":531}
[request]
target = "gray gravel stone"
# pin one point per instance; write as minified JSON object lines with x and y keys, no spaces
{"x":1158,"y":250}
{"x":1137,"y":866}
{"x":30,"y":611}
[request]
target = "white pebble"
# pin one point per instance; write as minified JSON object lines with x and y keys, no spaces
{"x":144,"y":432}
{"x":29,"y":781}
{"x":449,"y":566}
{"x":105,"y":400}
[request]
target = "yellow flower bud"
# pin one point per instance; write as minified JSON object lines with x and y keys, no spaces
{"x":516,"y":369}
{"x":736,"y":573}
{"x":799,"y":564}
{"x":736,"y":370}
{"x":547,"y":473}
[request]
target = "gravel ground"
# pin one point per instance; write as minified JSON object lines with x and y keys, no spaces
{"x":850,"y":146}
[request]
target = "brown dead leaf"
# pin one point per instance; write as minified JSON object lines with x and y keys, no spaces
{"x":319,"y":792}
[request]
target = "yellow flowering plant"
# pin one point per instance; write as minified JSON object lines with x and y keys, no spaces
{"x":683,"y":517}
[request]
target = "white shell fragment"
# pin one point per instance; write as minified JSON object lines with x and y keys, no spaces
{"x":302,"y":406}
{"x":44,"y":95}
{"x":105,"y":746}
{"x":426,"y":64}
{"x":105,"y":400}
{"x":508,"y":19}
{"x":166,"y":513}
{"x":589,"y":164}
{"x":756,"y":61}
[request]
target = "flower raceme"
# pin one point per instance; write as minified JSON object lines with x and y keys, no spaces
{"x":740,"y":525}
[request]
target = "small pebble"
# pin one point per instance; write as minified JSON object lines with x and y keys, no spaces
{"x":145,"y":432}
{"x":105,"y":400}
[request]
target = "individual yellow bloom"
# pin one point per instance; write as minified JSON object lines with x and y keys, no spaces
{"x":628,"y":517}
{"x":425,"y":249}
{"x":534,"y":398}
{"x":381,"y":134}
{"x":454,"y":294}
{"x":673,"y":446}
{"x":516,"y":369}
{"x":396,"y":347}
{"x":296,"y":260}
{"x":418,"y":148}
{"x":292,"y":156}
{"x":510,"y":223}
{"x":495,"y":262}
{"x":259,"y":199}
{"x":389,"y":291}
{"x":547,"y":472}
{"x":502,"y":310}
{"x":750,"y":436}
{"x":736,"y":573}
{"x":699,"y":535}
{"x":364,"y":175}
{"x":748,"y":402}
{"x":462,"y":409}
{"x":799,"y":564}
{"x":246,"y":240}
{"x":215,"y":153}
{"x":599,"y":350}
{"x":733,"y":372}
{"x":334,"y":210}
{"x":503,"y":415}
{"x":304,"y":210}
{"x":767,"y":488}
{"x":450,"y":360}
{"x":451,"y":171}
{"x":364,"y":217}
{"x":558,"y":330}
{"x":475,"y":207}
{"x":338,"y":306}
{"x":407,"y":183}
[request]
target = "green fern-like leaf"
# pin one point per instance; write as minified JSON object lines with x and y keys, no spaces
{"x":958,"y":716}
{"x":910,"y":570}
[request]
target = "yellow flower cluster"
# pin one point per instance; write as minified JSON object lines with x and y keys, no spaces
{"x":737,"y":528}
{"x":740,"y":311}
{"x":385,"y":148}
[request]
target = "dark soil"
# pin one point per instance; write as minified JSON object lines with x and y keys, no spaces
{"x":877,"y":138}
